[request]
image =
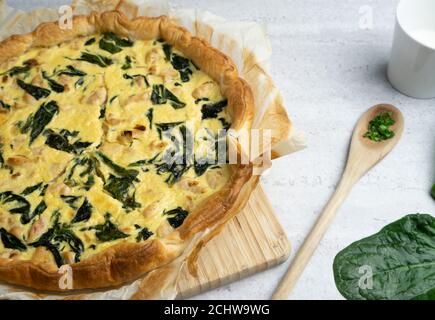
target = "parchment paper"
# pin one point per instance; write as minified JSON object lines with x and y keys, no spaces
{"x":245,"y":42}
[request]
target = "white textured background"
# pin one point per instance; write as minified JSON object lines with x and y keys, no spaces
{"x":330,"y":71}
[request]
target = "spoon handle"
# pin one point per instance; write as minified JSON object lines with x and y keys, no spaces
{"x":311,"y":242}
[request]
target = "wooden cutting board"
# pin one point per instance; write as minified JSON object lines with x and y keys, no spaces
{"x":251,"y":242}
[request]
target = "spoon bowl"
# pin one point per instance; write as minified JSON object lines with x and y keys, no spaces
{"x":363,"y":155}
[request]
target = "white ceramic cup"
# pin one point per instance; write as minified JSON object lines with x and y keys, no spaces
{"x":412,"y":64}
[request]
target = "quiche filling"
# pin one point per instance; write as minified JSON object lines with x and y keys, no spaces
{"x":93,"y":146}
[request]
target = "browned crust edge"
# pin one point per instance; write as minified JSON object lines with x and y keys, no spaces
{"x":127,"y":261}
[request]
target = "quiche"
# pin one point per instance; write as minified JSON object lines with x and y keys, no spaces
{"x":95,"y":169}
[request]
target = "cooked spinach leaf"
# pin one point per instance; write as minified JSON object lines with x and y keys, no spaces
{"x":160,"y":95}
{"x":97,"y":59}
{"x":127,"y":63}
{"x":120,"y":185}
{"x":57,"y":235}
{"x":225,"y":124}
{"x":201,"y":166}
{"x":31,"y":189}
{"x":201,"y":99}
{"x":211,"y":110}
{"x":17,"y":204}
{"x":109,"y":46}
{"x":129,"y":173}
{"x":25,"y":68}
{"x":16,"y":71}
{"x":36,"y":123}
{"x":175,"y":170}
{"x":150,"y":115}
{"x":60,"y":141}
{"x":167,"y":50}
{"x":122,"y":42}
{"x":90,"y":41}
{"x":122,"y":189}
{"x":131,"y":77}
{"x":84,"y":212}
{"x":166,"y":127}
{"x":108,"y":231}
{"x":71,"y":71}
{"x":113,"y":44}
{"x":379,"y":127}
{"x":176,"y":216}
{"x":433,"y":192}
{"x":82,"y":173}
{"x":4,"y":105}
{"x":10,"y":241}
{"x":71,"y":200}
{"x":79,"y":83}
{"x":143,"y":234}
{"x":143,"y":162}
{"x":40,"y":208}
{"x":35,"y":91}
{"x":2,"y":160}
{"x":181,"y":64}
{"x":400,"y":259}
{"x":54,"y":85}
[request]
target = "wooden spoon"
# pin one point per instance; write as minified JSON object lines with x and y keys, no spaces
{"x":363,"y":155}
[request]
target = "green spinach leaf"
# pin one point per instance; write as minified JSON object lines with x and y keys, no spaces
{"x":90,"y":41}
{"x":176,"y":216}
{"x":108,"y":231}
{"x":35,"y":91}
{"x":71,"y":200}
{"x":4,"y":105}
{"x":399,"y":261}
{"x":211,"y":110}
{"x":36,"y":123}
{"x":57,"y":235}
{"x":97,"y":59}
{"x":71,"y":71}
{"x":10,"y":241}
{"x":143,"y":234}
{"x":60,"y":141}
{"x":54,"y":85}
{"x":160,"y":95}
{"x":84,"y":212}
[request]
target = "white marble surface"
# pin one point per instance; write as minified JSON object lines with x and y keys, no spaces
{"x":330,"y":71}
